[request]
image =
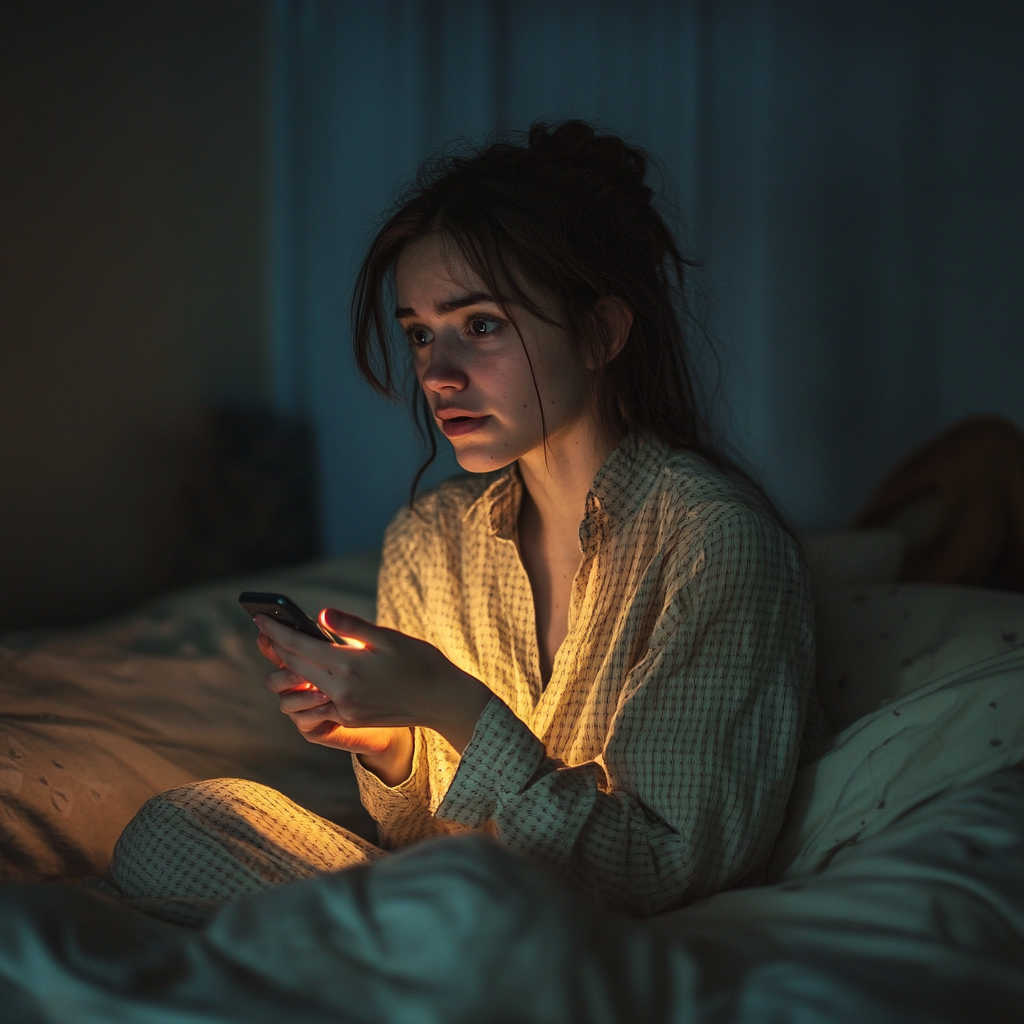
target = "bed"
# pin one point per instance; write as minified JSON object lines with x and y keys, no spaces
{"x":896,"y":891}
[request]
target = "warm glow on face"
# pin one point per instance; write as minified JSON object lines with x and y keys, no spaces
{"x":471,"y":363}
{"x":347,"y":641}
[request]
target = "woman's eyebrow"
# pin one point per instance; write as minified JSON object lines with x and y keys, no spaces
{"x":448,"y":305}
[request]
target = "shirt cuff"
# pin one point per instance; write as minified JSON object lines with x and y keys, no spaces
{"x":501,"y":759}
{"x":379,"y":798}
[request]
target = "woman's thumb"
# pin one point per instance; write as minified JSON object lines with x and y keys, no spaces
{"x":347,"y":627}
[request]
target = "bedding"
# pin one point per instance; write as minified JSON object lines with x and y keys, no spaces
{"x":923,"y":689}
{"x":96,"y":721}
{"x":922,"y":922}
{"x":913,"y":910}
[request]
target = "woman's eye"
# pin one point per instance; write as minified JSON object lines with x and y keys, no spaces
{"x":419,"y":336}
{"x":480,"y":325}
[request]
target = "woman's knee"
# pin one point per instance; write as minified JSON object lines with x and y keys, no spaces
{"x":186,"y":824}
{"x":248,"y":834}
{"x":177,"y":811}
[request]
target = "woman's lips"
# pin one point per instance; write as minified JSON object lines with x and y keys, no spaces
{"x":457,"y":426}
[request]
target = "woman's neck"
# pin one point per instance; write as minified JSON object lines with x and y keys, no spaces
{"x":557,"y":486}
{"x":554,"y":500}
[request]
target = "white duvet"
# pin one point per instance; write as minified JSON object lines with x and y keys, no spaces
{"x":924,"y":922}
{"x":898,"y":888}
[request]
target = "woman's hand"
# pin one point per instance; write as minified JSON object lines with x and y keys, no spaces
{"x":386,"y":752}
{"x":365,"y":697}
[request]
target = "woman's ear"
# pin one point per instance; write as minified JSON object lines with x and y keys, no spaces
{"x":617,"y":318}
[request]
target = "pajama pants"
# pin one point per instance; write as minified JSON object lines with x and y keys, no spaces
{"x":190,"y":851}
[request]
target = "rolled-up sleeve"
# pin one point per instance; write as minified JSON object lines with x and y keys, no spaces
{"x":402,"y":812}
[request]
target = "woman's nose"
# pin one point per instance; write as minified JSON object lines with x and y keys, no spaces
{"x":444,"y":369}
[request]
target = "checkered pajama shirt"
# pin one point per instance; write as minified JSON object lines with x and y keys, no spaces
{"x":655,"y":766}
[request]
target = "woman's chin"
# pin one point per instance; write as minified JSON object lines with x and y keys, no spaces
{"x":481,"y":458}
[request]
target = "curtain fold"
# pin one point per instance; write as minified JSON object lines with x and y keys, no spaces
{"x":848,"y":176}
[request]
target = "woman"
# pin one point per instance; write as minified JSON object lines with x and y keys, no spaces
{"x":597,"y":646}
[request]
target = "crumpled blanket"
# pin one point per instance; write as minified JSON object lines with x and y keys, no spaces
{"x":923,"y":922}
{"x":959,"y":501}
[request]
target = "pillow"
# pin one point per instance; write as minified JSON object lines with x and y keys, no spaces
{"x":94,"y":722}
{"x":923,"y":687}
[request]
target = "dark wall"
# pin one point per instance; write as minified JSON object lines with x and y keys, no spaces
{"x":132,"y":282}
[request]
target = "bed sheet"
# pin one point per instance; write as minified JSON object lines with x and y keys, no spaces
{"x":924,"y":922}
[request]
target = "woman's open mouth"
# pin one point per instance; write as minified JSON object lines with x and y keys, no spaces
{"x":456,"y":426}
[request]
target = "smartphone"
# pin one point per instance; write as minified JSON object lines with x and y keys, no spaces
{"x":284,"y":610}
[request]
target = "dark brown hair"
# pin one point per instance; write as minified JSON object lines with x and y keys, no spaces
{"x":565,"y":211}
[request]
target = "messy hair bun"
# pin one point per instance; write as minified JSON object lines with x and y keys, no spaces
{"x":580,"y":145}
{"x":568,"y":211}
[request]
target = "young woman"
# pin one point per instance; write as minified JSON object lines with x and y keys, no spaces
{"x":597,"y":646}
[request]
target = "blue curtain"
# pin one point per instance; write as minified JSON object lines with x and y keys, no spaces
{"x":848,"y":175}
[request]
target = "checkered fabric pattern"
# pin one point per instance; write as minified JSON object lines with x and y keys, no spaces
{"x":655,"y":766}
{"x":191,"y":850}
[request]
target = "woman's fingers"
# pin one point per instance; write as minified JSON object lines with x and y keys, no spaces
{"x":315,"y":661}
{"x":266,"y":648}
{"x":284,"y":679}
{"x":321,"y":734}
{"x":352,"y":627}
{"x":393,"y":680}
{"x":309,"y":718}
{"x":292,"y":701}
{"x":326,"y":666}
{"x":290,"y":641}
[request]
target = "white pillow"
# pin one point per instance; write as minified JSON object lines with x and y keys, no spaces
{"x":923,"y":686}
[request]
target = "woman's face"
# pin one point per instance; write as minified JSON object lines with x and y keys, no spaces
{"x":471,"y":365}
